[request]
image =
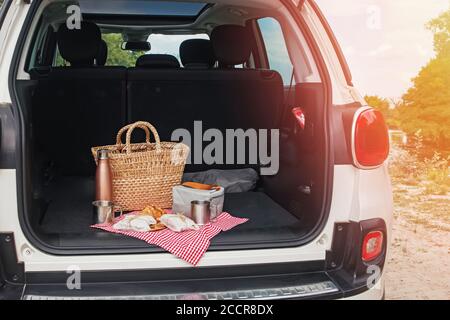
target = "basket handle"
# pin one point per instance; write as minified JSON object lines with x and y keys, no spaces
{"x":141,"y":124}
{"x":124,"y":129}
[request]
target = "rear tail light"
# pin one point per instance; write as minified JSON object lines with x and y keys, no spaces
{"x":370,"y":145}
{"x":372,"y":246}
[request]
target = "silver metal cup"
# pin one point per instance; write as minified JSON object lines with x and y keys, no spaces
{"x":105,"y":211}
{"x":201,"y":212}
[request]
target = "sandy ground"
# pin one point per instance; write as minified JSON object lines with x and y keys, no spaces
{"x":419,"y":259}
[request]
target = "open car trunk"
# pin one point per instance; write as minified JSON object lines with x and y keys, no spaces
{"x":70,"y":108}
{"x":283,"y":209}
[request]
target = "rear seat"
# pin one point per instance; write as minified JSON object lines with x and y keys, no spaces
{"x":226,"y":98}
{"x":80,"y":106}
{"x":157,"y":61}
{"x":197,"y":54}
{"x":84,"y":105}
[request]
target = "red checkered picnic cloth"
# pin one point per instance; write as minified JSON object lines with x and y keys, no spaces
{"x":189,"y":245}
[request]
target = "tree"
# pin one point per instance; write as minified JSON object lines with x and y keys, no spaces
{"x":117,"y":56}
{"x":384,"y":106}
{"x":381,"y":104}
{"x":440,"y":27}
{"x":427,"y":103}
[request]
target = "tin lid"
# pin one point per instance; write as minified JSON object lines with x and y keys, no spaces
{"x":103,"y":154}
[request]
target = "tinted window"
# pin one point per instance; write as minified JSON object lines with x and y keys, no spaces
{"x":140,"y":7}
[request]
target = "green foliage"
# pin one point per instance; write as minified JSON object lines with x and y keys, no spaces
{"x":60,"y":62}
{"x":117,"y":56}
{"x":426,"y":105}
{"x":425,"y":109}
{"x":440,"y":27}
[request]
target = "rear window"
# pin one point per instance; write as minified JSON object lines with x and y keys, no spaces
{"x":160,"y":44}
{"x":170,"y":44}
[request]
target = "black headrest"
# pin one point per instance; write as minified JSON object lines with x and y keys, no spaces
{"x":102,"y":54}
{"x":197,"y":53}
{"x":157,"y":61}
{"x":79,"y":46}
{"x":231,"y":44}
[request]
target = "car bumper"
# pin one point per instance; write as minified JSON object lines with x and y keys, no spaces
{"x":275,"y":287}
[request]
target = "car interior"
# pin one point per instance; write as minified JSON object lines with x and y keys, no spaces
{"x":237,"y":66}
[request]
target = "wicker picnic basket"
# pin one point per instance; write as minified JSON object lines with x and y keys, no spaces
{"x":144,"y":173}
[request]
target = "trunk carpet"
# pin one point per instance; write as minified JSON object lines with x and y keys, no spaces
{"x":69,"y":215}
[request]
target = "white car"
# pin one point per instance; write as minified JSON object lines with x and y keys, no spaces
{"x":73,"y":72}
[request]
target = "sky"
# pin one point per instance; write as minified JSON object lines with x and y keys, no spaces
{"x":385,"y":41}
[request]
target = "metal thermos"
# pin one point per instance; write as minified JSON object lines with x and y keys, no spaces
{"x":201,"y":212}
{"x":105,"y":212}
{"x":103,"y":177}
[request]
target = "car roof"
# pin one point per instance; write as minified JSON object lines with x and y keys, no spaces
{"x":137,"y":19}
